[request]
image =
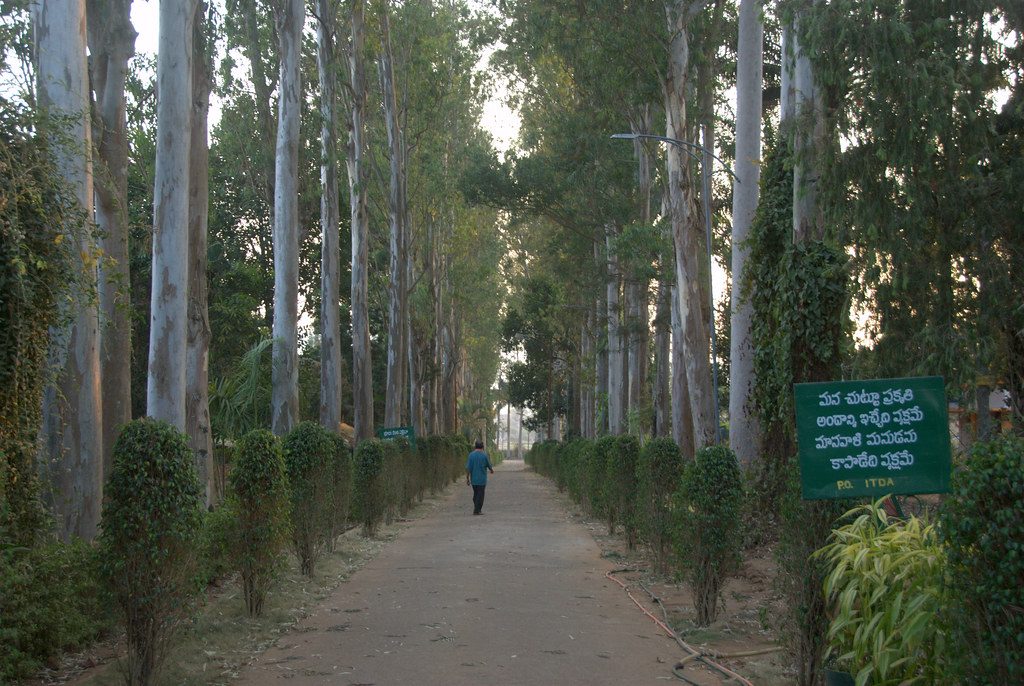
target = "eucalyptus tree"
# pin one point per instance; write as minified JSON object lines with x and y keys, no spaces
{"x":289,"y":15}
{"x":330,"y":270}
{"x":165,"y":388}
{"x":198,"y":426}
{"x":362,"y":370}
{"x":743,"y":421}
{"x":72,"y":431}
{"x":112,"y":44}
{"x":397,"y":287}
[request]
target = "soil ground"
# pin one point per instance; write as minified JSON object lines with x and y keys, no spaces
{"x":517,"y":596}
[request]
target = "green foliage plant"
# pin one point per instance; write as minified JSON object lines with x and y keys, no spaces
{"x":436,"y":450}
{"x":407,"y":473}
{"x":391,"y":480}
{"x":706,"y":527}
{"x":982,"y":524}
{"x":886,"y":589}
{"x":658,"y":472}
{"x":341,"y":488}
{"x":368,"y":483}
{"x":150,"y":520}
{"x":597,"y":501}
{"x":51,"y":600}
{"x":622,"y":481}
{"x":259,"y":497}
{"x":308,"y":453}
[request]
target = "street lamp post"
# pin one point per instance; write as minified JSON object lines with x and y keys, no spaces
{"x":690,"y":149}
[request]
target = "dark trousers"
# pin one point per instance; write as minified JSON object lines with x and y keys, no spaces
{"x":478,"y":498}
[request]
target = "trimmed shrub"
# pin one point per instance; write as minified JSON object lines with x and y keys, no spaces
{"x":51,"y":599}
{"x":436,"y":450}
{"x":658,"y":472}
{"x":259,"y":498}
{"x":707,"y":531}
{"x":595,"y":478}
{"x":151,"y":517}
{"x":216,"y":539}
{"x":983,"y":527}
{"x":424,"y":469}
{"x":308,"y":452}
{"x":341,"y":488}
{"x":368,"y":484}
{"x":391,"y":480}
{"x":621,"y":483}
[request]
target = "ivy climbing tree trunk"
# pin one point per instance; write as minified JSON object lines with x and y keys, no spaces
{"x":284,"y":415}
{"x":396,"y":369}
{"x":165,"y":388}
{"x":112,"y":44}
{"x":685,"y":235}
{"x":72,"y":430}
{"x":744,"y":425}
{"x":197,"y":364}
{"x":362,"y":370}
{"x":330,"y":248}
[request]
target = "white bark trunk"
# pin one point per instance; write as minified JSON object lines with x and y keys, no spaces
{"x":285,"y":368}
{"x":662,"y":354}
{"x":362,"y":371}
{"x":744,"y":429}
{"x":112,"y":43}
{"x":330,"y":269}
{"x":682,"y":417}
{"x":72,"y":430}
{"x":197,"y":364}
{"x":165,"y":389}
{"x":396,"y":370}
{"x":616,"y":355}
{"x":787,"y":96}
{"x":686,"y":237}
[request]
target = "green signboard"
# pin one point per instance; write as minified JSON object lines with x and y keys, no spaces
{"x":406,"y":432}
{"x":873,"y":438}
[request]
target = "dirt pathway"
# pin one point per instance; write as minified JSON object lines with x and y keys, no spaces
{"x":517,"y":596}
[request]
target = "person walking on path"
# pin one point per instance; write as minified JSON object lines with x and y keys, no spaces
{"x":477,"y":466}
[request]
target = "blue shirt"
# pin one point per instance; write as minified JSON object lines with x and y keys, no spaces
{"x":477,"y":466}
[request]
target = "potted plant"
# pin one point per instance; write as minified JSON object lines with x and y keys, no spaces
{"x":885,"y":590}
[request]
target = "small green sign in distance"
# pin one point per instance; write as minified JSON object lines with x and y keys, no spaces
{"x":406,"y":432}
{"x":873,"y":438}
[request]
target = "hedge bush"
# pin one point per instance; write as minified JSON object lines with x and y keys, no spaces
{"x":341,"y":488}
{"x":308,"y":452}
{"x":982,"y":524}
{"x":150,"y":520}
{"x":707,"y":532}
{"x":259,"y":499}
{"x":658,"y":474}
{"x":597,"y":467}
{"x":621,"y":485}
{"x":369,"y":483}
{"x":51,"y":599}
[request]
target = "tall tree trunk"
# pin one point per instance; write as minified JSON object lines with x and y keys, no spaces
{"x":362,"y":369}
{"x":662,"y":355}
{"x":165,"y":388}
{"x":787,"y":94}
{"x":395,"y":385}
{"x":744,"y":425}
{"x":682,"y":417}
{"x":330,"y":249}
{"x":616,"y":358}
{"x":72,"y":430}
{"x":261,"y":89}
{"x":601,"y":363}
{"x":586,"y":385}
{"x":809,"y":105}
{"x":284,"y":402}
{"x":112,"y":44}
{"x":636,"y":291}
{"x":686,"y":236}
{"x":197,"y":355}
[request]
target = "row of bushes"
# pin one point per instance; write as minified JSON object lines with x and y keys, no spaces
{"x":902,"y":601}
{"x":687,"y":514}
{"x":158,"y":548}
